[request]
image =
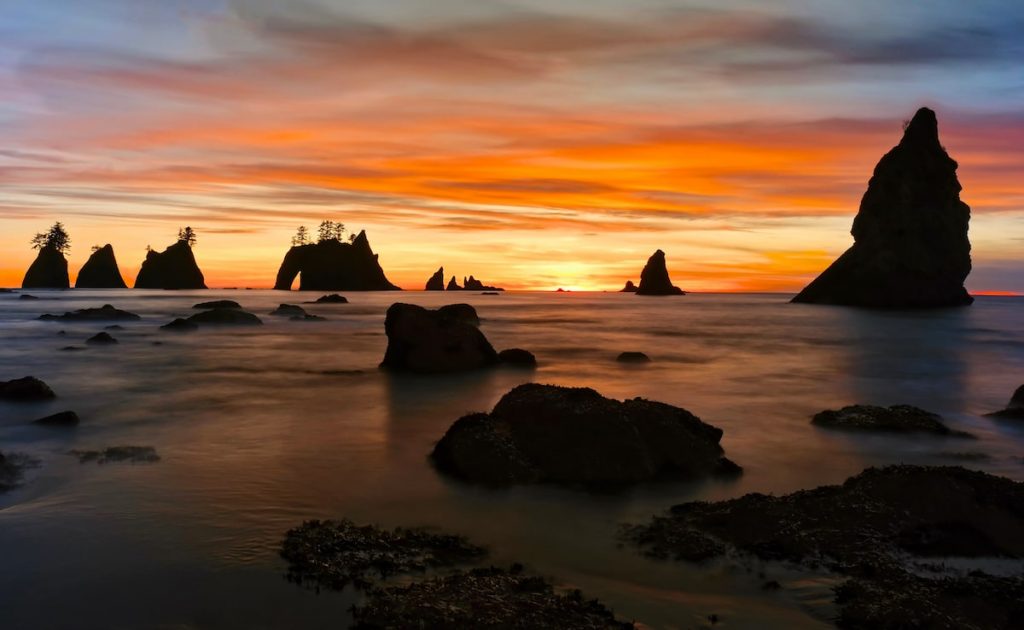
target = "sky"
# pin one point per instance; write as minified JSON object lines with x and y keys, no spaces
{"x":535,"y":144}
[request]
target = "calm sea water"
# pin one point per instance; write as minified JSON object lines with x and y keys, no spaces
{"x":261,"y":428}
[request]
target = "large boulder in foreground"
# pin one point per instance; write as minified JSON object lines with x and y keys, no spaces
{"x":436,"y":281}
{"x":174,"y":268}
{"x":28,"y":388}
{"x":331,"y":265}
{"x":442,"y":340}
{"x":910,"y":235}
{"x":1013,"y":410}
{"x":654,"y":278}
{"x":894,"y":419}
{"x":100,"y":271}
{"x":48,"y":271}
{"x":546,"y":433}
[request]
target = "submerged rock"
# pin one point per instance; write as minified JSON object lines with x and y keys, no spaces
{"x":436,"y":281}
{"x":331,"y":265}
{"x":307,"y":317}
{"x":545,"y":433}
{"x":28,"y":388}
{"x":101,"y":339}
{"x":633,"y":357}
{"x":289,"y":310}
{"x":897,"y":419}
{"x":629,"y":288}
{"x":334,"y":554}
{"x":48,"y":271}
{"x":180,"y":325}
{"x":60,"y":419}
{"x":911,"y":248}
{"x":26,"y":296}
{"x":654,"y":278}
{"x":217,"y":304}
{"x":333,"y":298}
{"x":225,"y":316}
{"x":445,"y":340}
{"x":100,"y":271}
{"x":112,"y":454}
{"x":103,"y":313}
{"x":174,"y":268}
{"x":1015,"y":409}
{"x":517,"y":357}
{"x":483,"y":598}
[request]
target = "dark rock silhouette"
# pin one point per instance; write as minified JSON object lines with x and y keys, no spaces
{"x":1013,"y":410}
{"x":445,"y":340}
{"x":654,"y":278}
{"x":10,"y":471}
{"x":546,"y":433}
{"x":101,"y":339}
{"x":331,"y":265}
{"x":103,"y":313}
{"x":180,"y":325}
{"x":289,"y":310}
{"x":113,"y":327}
{"x":436,"y":281}
{"x":26,"y":296}
{"x":100,"y":271}
{"x":333,"y":298}
{"x":174,"y":268}
{"x":472,"y":284}
{"x":60,"y":419}
{"x":517,"y":357}
{"x":225,"y":316}
{"x":910,"y":235}
{"x":307,"y":317}
{"x":633,"y":357}
{"x":453,"y":285}
{"x":629,"y":288}
{"x":895,"y":419}
{"x":490,"y":293}
{"x":114,"y":454}
{"x":48,"y":271}
{"x":217,"y":304}
{"x":28,"y":388}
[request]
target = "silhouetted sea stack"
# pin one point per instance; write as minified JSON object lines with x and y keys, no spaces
{"x":174,"y":268}
{"x":654,"y":278}
{"x":48,"y":271}
{"x":472,"y":284}
{"x":331,"y":265}
{"x":1013,"y":410}
{"x":453,"y":285}
{"x":436,"y":282}
{"x":910,"y":236}
{"x":445,"y":340}
{"x":100,"y":271}
{"x":629,"y":288}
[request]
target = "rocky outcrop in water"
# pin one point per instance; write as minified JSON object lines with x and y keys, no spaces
{"x":100,"y":271}
{"x":103,"y":313}
{"x":1015,"y":409}
{"x":225,"y":317}
{"x":101,"y":339}
{"x":26,"y":389}
{"x":894,"y":419}
{"x":629,"y":288}
{"x":436,"y":281}
{"x":217,"y":304}
{"x":517,"y":357}
{"x":442,"y":340}
{"x":333,"y":298}
{"x":910,"y":235}
{"x":545,"y":433}
{"x":633,"y":356}
{"x":174,"y":268}
{"x":180,"y":325}
{"x":60,"y":419}
{"x":654,"y":278}
{"x":472,"y":284}
{"x":331,"y":265}
{"x":453,"y":285}
{"x":48,"y":271}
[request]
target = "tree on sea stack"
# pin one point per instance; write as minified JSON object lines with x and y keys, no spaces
{"x":301,"y":237}
{"x":188,"y":235}
{"x":50,"y":269}
{"x":56,"y":238}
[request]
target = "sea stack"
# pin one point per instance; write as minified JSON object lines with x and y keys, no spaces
{"x":100,"y":271}
{"x":654,"y":278}
{"x":910,"y":245}
{"x":48,"y":271}
{"x":436,"y":282}
{"x":453,"y":285}
{"x":174,"y":268}
{"x":331,"y":265}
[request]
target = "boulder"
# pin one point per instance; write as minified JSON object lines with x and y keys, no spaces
{"x":180,"y":325}
{"x":654,"y":278}
{"x":60,"y":419}
{"x":545,"y":433}
{"x":27,"y":388}
{"x":633,"y":357}
{"x":103,"y":313}
{"x":48,"y":271}
{"x":910,"y":235}
{"x":629,"y":288}
{"x":895,"y":419}
{"x":333,"y":298}
{"x":453,"y":285}
{"x":517,"y":357}
{"x":174,"y":268}
{"x":289,"y":310}
{"x":436,"y":281}
{"x":307,"y":317}
{"x":100,"y":271}
{"x":444,"y":340}
{"x":217,"y":304}
{"x":1013,"y":410}
{"x":225,"y":316}
{"x":101,"y":339}
{"x":331,"y":265}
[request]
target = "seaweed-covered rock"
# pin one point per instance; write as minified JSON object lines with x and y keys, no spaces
{"x":59,"y":419}
{"x":545,"y":433}
{"x":331,"y":265}
{"x":443,"y":340}
{"x":483,"y":598}
{"x":174,"y":268}
{"x":112,"y":454}
{"x":334,"y":554}
{"x":101,"y":339}
{"x":654,"y":278}
{"x":517,"y":357}
{"x":333,"y":298}
{"x":226,"y":317}
{"x":103,"y":313}
{"x":48,"y":271}
{"x":895,"y":419}
{"x":180,"y":325}
{"x":436,"y":281}
{"x":288,"y":310}
{"x":100,"y":271}
{"x":217,"y":304}
{"x":910,"y":248}
{"x":27,"y":388}
{"x":1015,"y":409}
{"x":632,"y":356}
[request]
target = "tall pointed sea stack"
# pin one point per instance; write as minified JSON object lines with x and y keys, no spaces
{"x":48,"y":271}
{"x":654,"y":278}
{"x":331,"y":265}
{"x":436,"y":282}
{"x":174,"y":268}
{"x":100,"y":271}
{"x":910,"y":245}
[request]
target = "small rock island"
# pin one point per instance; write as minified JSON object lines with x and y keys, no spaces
{"x":174,"y":268}
{"x":100,"y":271}
{"x":331,"y":265}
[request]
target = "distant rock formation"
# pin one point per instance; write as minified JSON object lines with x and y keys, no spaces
{"x":1015,"y":409}
{"x":910,"y":235}
{"x":453,"y":285}
{"x":436,"y":282}
{"x":472,"y":284}
{"x":174,"y":268}
{"x":48,"y":271}
{"x":331,"y":265}
{"x":443,"y":340}
{"x":654,"y":278}
{"x":894,"y":419}
{"x":100,"y":271}
{"x":629,"y":288}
